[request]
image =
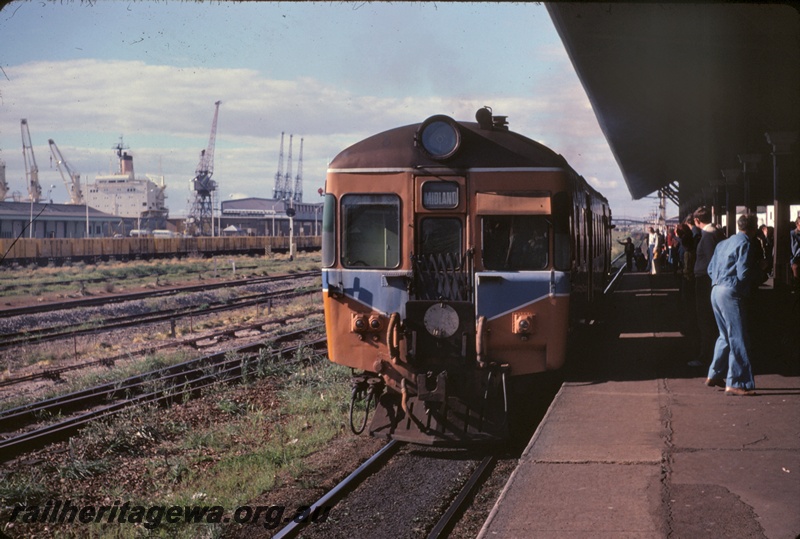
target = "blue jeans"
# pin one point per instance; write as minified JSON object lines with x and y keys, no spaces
{"x":732,"y":350}
{"x":650,"y":249}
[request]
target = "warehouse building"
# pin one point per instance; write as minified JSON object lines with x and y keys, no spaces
{"x":48,"y":220}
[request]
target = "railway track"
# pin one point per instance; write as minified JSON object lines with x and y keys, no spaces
{"x":7,"y":285}
{"x":195,"y":341}
{"x":463,"y":499}
{"x":161,"y":386}
{"x":98,"y":301}
{"x":345,"y":487}
{"x":79,"y":328}
{"x":449,"y":516}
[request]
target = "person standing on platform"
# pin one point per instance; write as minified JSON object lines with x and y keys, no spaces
{"x":672,"y":249}
{"x":733,"y":270}
{"x":794,"y":235}
{"x":707,"y":326}
{"x":657,"y":255}
{"x":629,"y":249}
{"x":769,"y":245}
{"x":651,"y":247}
{"x":688,"y":304}
{"x":760,"y":247}
{"x":687,"y":248}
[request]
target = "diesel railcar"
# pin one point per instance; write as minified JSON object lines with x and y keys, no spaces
{"x":455,"y":257}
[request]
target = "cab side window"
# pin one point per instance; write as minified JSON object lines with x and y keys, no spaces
{"x":329,"y":231}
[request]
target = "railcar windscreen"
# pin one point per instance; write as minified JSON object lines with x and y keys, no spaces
{"x":370,"y":225}
{"x":441,"y":235}
{"x":514,"y":243}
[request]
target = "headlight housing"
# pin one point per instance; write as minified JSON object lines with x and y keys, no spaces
{"x":439,"y":137}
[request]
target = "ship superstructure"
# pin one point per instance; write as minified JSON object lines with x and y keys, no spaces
{"x":126,"y":196}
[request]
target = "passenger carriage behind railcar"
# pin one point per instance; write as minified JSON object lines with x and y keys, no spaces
{"x":456,"y":255}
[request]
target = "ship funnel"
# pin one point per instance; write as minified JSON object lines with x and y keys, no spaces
{"x":126,"y":164}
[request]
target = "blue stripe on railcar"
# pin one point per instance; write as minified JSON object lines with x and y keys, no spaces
{"x":384,"y":291}
{"x":499,"y":293}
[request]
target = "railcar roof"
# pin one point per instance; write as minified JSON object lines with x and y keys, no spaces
{"x":479,"y":148}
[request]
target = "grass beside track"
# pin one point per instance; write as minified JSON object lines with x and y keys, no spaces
{"x":21,"y":283}
{"x":222,"y":450}
{"x":307,"y":310}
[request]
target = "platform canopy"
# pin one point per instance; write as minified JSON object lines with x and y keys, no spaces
{"x":681,"y":90}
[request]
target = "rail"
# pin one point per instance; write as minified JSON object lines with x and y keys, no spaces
{"x":345,"y":486}
{"x":193,"y":340}
{"x":616,"y":276}
{"x":76,"y":328}
{"x":614,"y":280}
{"x":149,"y":294}
{"x":445,"y":524}
{"x":188,"y":377}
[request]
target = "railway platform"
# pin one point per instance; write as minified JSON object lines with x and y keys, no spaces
{"x":636,"y":445}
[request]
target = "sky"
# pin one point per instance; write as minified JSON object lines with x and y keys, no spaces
{"x":87,"y":73}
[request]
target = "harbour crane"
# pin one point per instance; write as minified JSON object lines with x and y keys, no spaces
{"x":286,"y":187}
{"x":72,"y":179}
{"x":31,"y":170}
{"x":287,"y":180}
{"x":277,"y":191}
{"x":201,"y":213}
{"x":297,"y":194}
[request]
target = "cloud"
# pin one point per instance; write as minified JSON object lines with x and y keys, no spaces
{"x":165,"y":112}
{"x":600,"y":184}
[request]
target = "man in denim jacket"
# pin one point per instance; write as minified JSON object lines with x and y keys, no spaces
{"x":733,"y":269}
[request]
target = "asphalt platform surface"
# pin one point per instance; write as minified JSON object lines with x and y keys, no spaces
{"x":636,"y":445}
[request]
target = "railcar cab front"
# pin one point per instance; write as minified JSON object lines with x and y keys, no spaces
{"x":446,"y":267}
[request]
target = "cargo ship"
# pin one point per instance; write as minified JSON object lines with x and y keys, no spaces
{"x":139,"y":202}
